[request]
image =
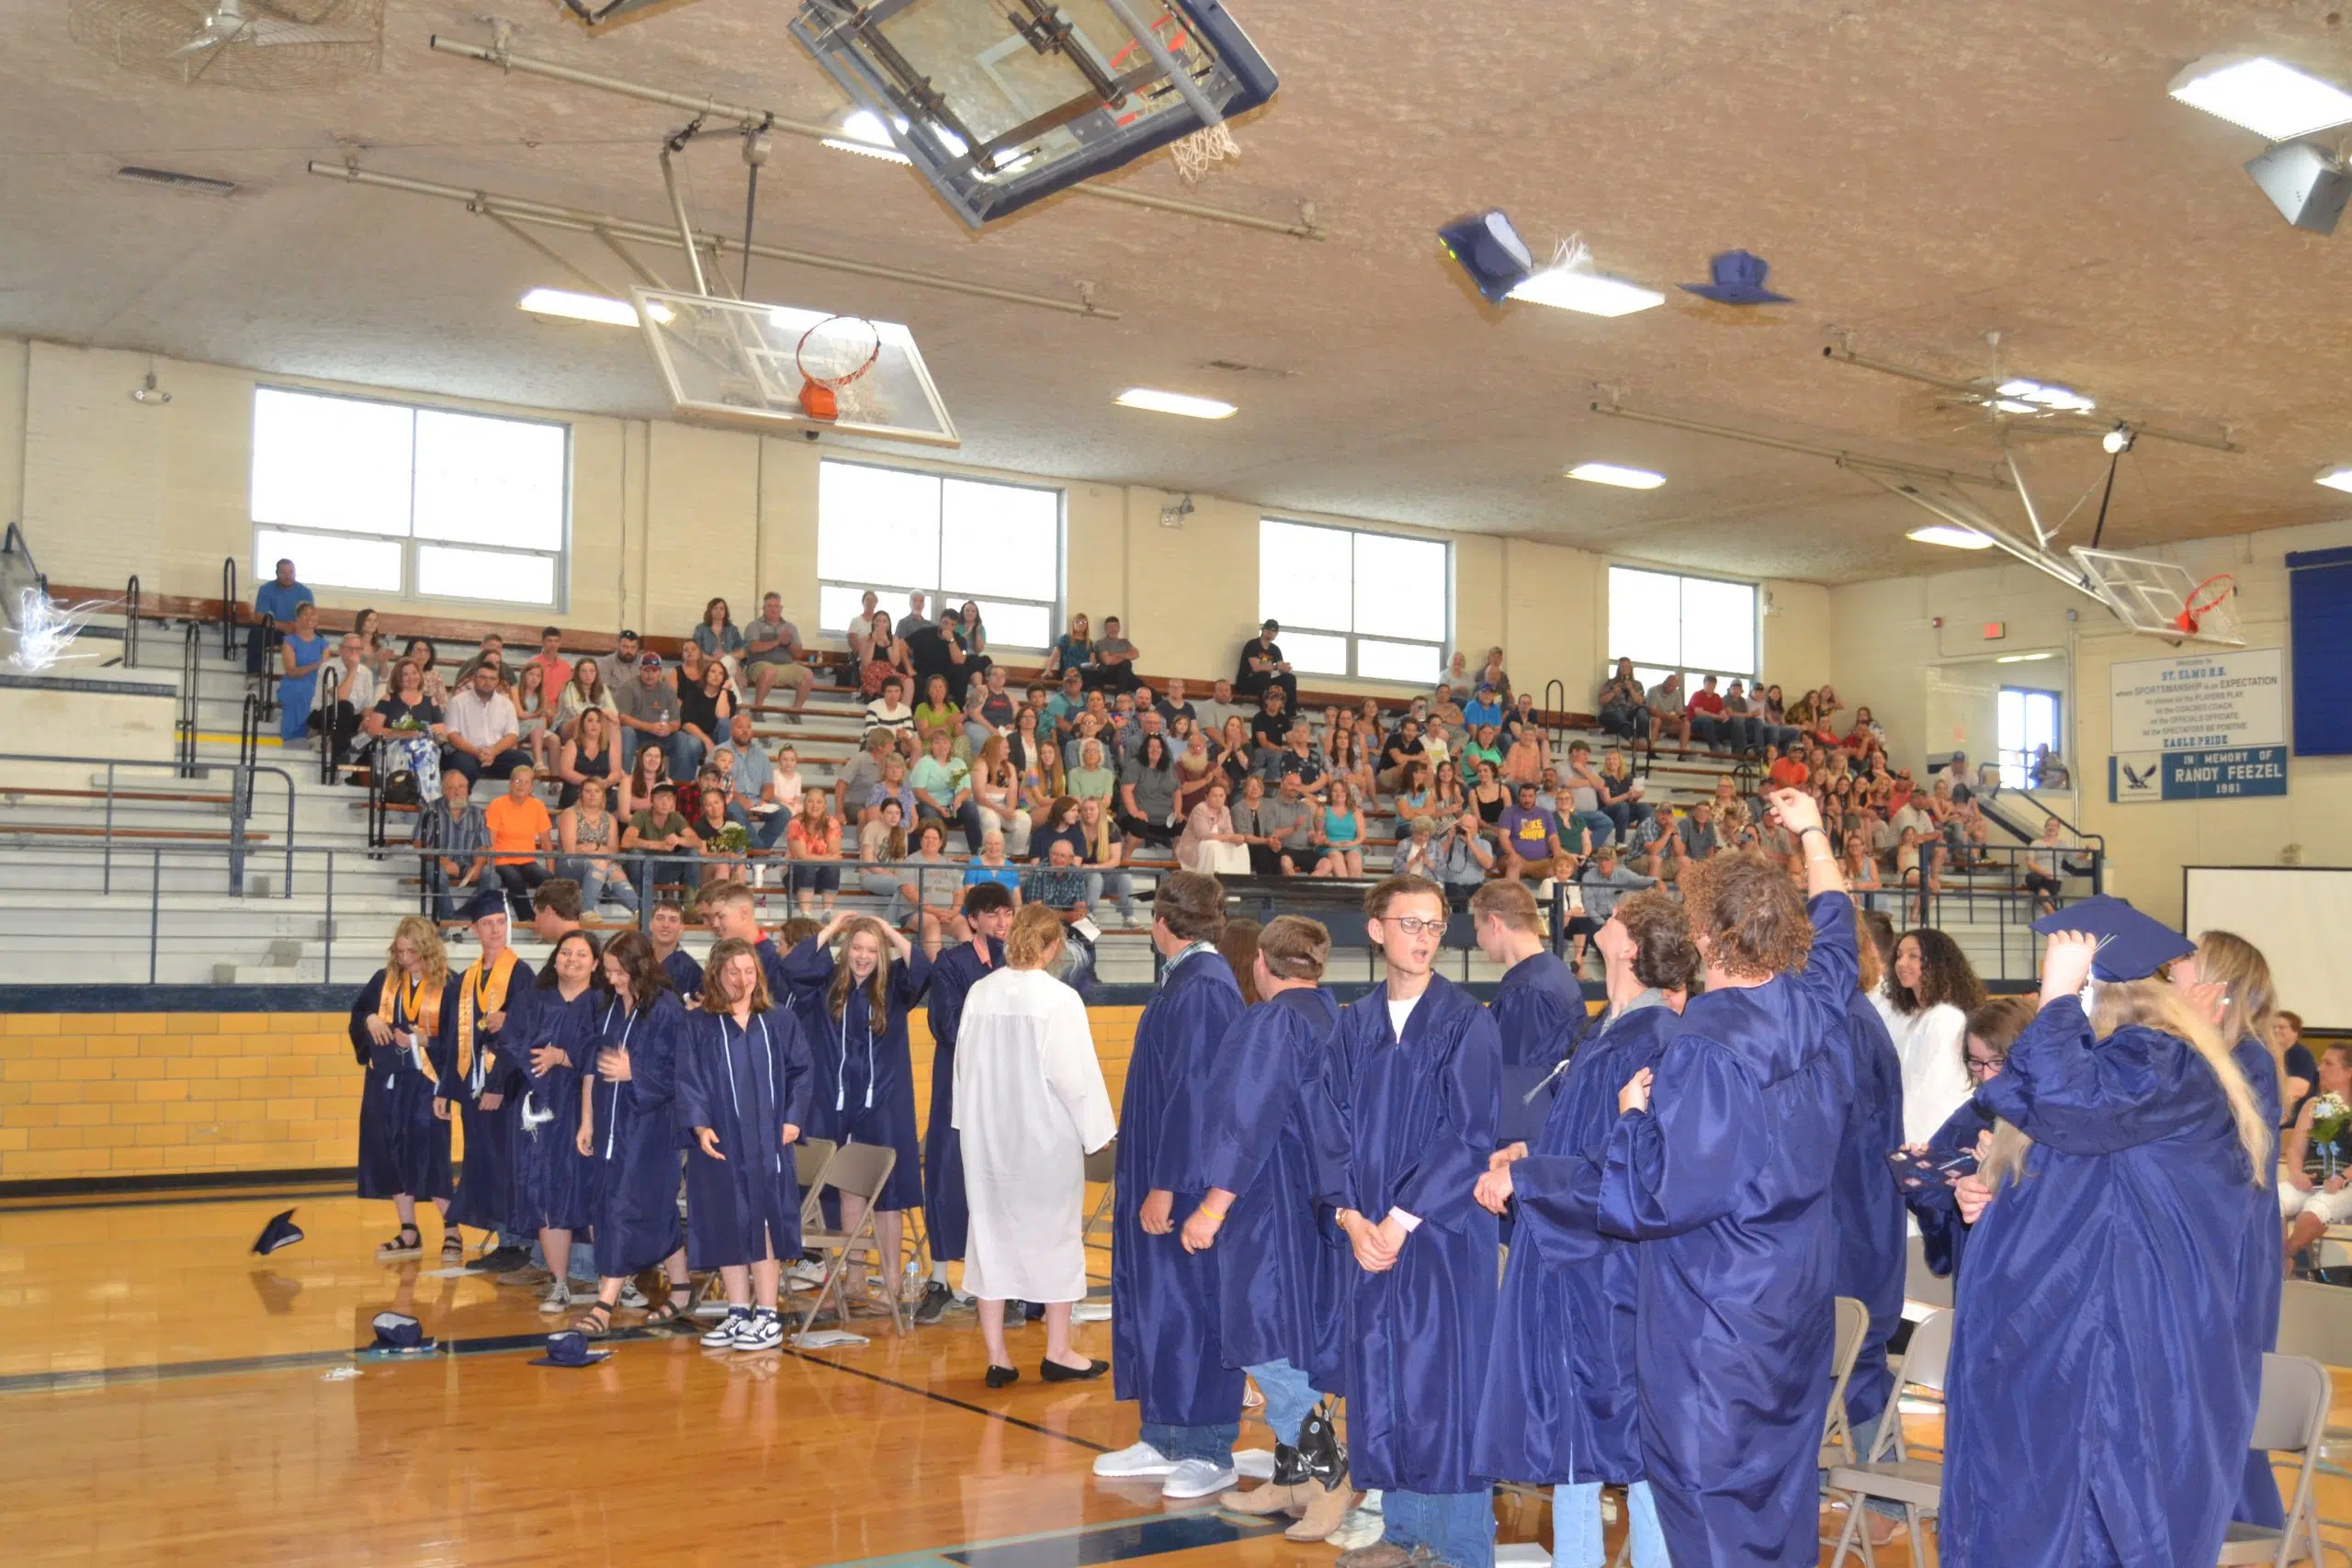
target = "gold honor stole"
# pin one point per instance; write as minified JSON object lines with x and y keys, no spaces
{"x":412,"y":999}
{"x":484,"y":991}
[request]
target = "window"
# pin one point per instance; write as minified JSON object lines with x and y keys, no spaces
{"x":1368,"y":605}
{"x":422,"y":502}
{"x":2024,"y":717}
{"x":1690,"y":627}
{"x":897,"y":531}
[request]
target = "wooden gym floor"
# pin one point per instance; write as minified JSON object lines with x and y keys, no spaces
{"x":165,"y":1396}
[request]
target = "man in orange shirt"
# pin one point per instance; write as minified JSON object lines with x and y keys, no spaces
{"x":521,"y":836}
{"x":1788,"y":773}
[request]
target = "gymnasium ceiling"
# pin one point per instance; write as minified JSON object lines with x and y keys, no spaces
{"x":1918,"y":176}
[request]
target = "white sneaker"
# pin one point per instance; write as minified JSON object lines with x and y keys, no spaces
{"x":1136,"y":1459}
{"x":810,"y":1274}
{"x":763,"y":1331}
{"x":722,"y":1335}
{"x":557,"y":1299}
{"x":632,"y":1298}
{"x":1197,"y":1478}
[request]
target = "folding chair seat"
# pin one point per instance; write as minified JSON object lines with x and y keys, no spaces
{"x":1888,"y":1472}
{"x":2291,"y":1418}
{"x":858,"y":1171}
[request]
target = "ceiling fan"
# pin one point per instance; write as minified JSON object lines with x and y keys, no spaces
{"x":266,"y":44}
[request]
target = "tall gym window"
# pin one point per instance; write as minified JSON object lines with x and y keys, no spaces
{"x":1690,"y":627}
{"x":1370,"y":606}
{"x":420,"y":502}
{"x":2024,"y":718}
{"x":897,"y":531}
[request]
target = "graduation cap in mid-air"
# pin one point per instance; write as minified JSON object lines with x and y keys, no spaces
{"x":2131,"y":946}
{"x":1736,"y":278}
{"x":486,"y":902}
{"x":569,"y":1348}
{"x":281,"y":1231}
{"x":399,"y":1335}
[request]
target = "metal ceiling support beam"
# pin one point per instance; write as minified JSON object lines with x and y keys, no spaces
{"x":686,"y":241}
{"x":579,"y":221}
{"x":1961,"y":513}
{"x":595,"y":286}
{"x":741,"y":113}
{"x":2054,"y":424}
{"x":638,"y":269}
{"x":2032,"y":512}
{"x":1858,"y":461}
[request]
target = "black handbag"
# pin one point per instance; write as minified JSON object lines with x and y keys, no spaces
{"x":1319,"y":1449}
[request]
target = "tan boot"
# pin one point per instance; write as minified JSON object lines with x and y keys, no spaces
{"x":1326,"y":1506}
{"x":1271,"y":1498}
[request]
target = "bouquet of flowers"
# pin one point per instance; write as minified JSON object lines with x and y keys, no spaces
{"x":2329,"y":1114}
{"x":731,"y":839}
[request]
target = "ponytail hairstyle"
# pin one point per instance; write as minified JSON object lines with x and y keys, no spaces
{"x":2155,"y":1003}
{"x":877,"y":984}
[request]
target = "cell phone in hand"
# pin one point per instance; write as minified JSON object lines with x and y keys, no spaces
{"x":1920,"y":1172}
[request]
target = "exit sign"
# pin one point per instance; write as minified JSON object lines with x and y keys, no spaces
{"x":1994,"y":631}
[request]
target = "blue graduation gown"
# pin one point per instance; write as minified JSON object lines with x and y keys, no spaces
{"x":685,"y":973}
{"x":551,"y":1183}
{"x":746,"y":1083}
{"x":1559,"y":1405}
{"x":636,"y":1137}
{"x":1539,"y":1011}
{"x":1942,"y":1237}
{"x":1416,"y":1126}
{"x":864,"y":1088}
{"x":2103,"y":1377}
{"x":1277,"y":1276}
{"x":1866,"y":1206}
{"x":947,"y":1218}
{"x":1727,"y":1184}
{"x":2265,"y":1277}
{"x":403,"y":1147}
{"x":483,"y":1174}
{"x":1165,"y":1303}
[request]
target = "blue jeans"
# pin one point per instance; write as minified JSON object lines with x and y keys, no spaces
{"x":1458,"y":1528}
{"x":582,"y":1265}
{"x":686,"y":752}
{"x":1120,"y":885}
{"x":1289,"y":1397}
{"x":594,"y":884}
{"x":1600,"y":824}
{"x":1575,"y":1527}
{"x":1214,"y":1444}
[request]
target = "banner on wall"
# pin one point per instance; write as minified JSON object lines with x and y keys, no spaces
{"x":2206,"y":725}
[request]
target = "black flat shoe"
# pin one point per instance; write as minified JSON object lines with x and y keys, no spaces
{"x":1000,"y":1376}
{"x":1054,"y":1372}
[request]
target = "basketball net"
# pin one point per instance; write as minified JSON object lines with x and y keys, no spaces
{"x":833,"y":357}
{"x":2211,"y":609}
{"x":1198,"y":154}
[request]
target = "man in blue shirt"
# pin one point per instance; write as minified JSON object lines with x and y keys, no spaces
{"x":1482,"y":709}
{"x":273,"y":605}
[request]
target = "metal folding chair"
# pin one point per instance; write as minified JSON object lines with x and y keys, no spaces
{"x":1919,"y":1282}
{"x":810,"y":1157}
{"x":2315,"y":1320}
{"x":2291,"y":1418}
{"x":1101,"y":1169}
{"x":1836,"y":1432}
{"x":1889,"y":1473}
{"x":859,"y":1171}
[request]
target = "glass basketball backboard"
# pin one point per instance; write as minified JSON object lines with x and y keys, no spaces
{"x":740,"y":362}
{"x":1000,"y":103}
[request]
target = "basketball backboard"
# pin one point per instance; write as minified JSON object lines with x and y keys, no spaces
{"x":739,"y":362}
{"x":2151,"y":595}
{"x":1000,"y":103}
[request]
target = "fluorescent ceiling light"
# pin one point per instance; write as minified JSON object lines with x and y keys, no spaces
{"x":586,"y":307}
{"x":1615,"y":474}
{"x":862,"y":132}
{"x":2277,"y":102}
{"x":2022,"y":658}
{"x":2337,"y":478}
{"x":2040,"y":395}
{"x":1174,"y":402}
{"x":1573,"y":288}
{"x":1946,"y":535}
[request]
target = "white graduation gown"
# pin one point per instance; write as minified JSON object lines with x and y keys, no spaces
{"x":1030,"y":1105}
{"x":1935,"y":1068}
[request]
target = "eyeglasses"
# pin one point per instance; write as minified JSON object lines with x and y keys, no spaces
{"x":1978,"y":1063}
{"x":1413,"y":925}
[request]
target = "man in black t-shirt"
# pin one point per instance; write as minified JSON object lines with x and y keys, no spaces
{"x":1262,"y":665}
{"x":1402,"y":748}
{"x":1270,"y":733}
{"x":934,"y":651}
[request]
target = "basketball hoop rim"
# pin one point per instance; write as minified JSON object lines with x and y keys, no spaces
{"x":835,"y":382}
{"x":2221,"y":585}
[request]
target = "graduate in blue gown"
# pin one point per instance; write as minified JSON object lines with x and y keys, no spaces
{"x":1415,"y":1087}
{"x":854,"y":1011}
{"x":552,"y":1188}
{"x":1538,"y":1005}
{"x":1993,"y":1028}
{"x":1277,"y":1274}
{"x":1722,"y":1170}
{"x":2104,"y":1376}
{"x":1866,"y":1212}
{"x":403,"y":1023}
{"x":665,"y":926}
{"x":481,"y":1081}
{"x":1166,"y":1352}
{"x":1560,"y":1406}
{"x":988,"y":909}
{"x":628,"y":1130}
{"x":742,"y":1087}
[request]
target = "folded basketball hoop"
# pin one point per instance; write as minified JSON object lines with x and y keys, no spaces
{"x":2206,"y":611}
{"x":2160,"y":598}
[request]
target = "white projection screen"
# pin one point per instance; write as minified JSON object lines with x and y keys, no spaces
{"x":2298,"y":916}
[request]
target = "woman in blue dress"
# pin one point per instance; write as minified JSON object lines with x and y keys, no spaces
{"x":402,"y":1030}
{"x":743,"y":1097}
{"x":629,"y":1131}
{"x":2103,"y":1375}
{"x":552,"y":1188}
{"x":854,"y":1008}
{"x":300,"y":655}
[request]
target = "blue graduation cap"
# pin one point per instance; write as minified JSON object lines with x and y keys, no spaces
{"x":281,"y":1231}
{"x":486,"y":901}
{"x":1487,"y":248}
{"x":399,"y":1335}
{"x":1738,"y":280}
{"x":2132,"y":946}
{"x":569,"y":1348}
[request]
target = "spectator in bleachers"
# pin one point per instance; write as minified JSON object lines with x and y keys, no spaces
{"x":1934,"y":991}
{"x":1669,"y":713}
{"x":1063,"y":708}
{"x":421,"y":653}
{"x":1072,"y":653}
{"x":859,"y":633}
{"x":1487,"y":798}
{"x":1398,"y":754}
{"x":1866,"y":736}
{"x":943,"y":786}
{"x":1483,"y":709}
{"x":888,"y":711}
{"x":706,"y":709}
{"x":659,"y":829}
{"x":772,"y":653}
{"x":1221,"y":705}
{"x":1453,"y":854}
{"x":1815,"y":714}
{"x":1624,"y":707}
{"x":1600,"y":882}
{"x":1345,"y":763}
{"x":1445,"y":709}
{"x":1438,"y":748}
{"x":914,"y":620}
{"x":1173,"y":705}
{"x":939,"y":887}
{"x":534,"y":716}
{"x":989,"y":865}
{"x":407,"y":729}
{"x":752,"y":784}
{"x":647,"y":708}
{"x":1295,"y":824}
{"x":1778,"y":729}
{"x":716,"y":637}
{"x":588,"y":836}
{"x":996,"y":791}
{"x":1342,"y":834}
{"x":1860,"y":862}
{"x":589,"y":754}
{"x":1532,"y":844}
{"x":369,"y":626}
{"x":939,"y":713}
{"x":636,"y":788}
{"x":1743,"y":724}
{"x":1270,"y":726}
{"x":1102,"y":850}
{"x":932,"y":651}
{"x":993,"y":714}
{"x":886,"y":655}
{"x":1090,"y":779}
{"x":1210,"y":842}
{"x":1196,"y":770}
{"x":482,"y":729}
{"x":1147,"y":795}
{"x":1696,"y":837}
{"x":1920,"y":852}
{"x":2047,"y":771}
{"x":1236,"y":756}
{"x":1706,"y":717}
{"x":350,"y":694}
{"x":1585,"y":790}
{"x":1299,"y":756}
{"x":302,"y":653}
{"x":890,"y":785}
{"x":1263,"y":668}
{"x":1482,"y":744}
{"x":275,"y":603}
{"x":453,"y":829}
{"x":1058,"y":883}
{"x":555,"y":670}
{"x":1783,"y":771}
{"x":1115,"y":660}
{"x":583,"y":690}
{"x":1492,"y":673}
{"x":1620,"y":795}
{"x":522,"y":836}
{"x":881,"y":844}
{"x":854,"y":780}
{"x":813,"y":843}
{"x":1525,"y":757}
{"x":1416,"y":793}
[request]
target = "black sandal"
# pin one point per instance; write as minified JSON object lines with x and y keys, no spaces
{"x":672,"y":1308}
{"x":410,"y":1243}
{"x":596,"y":1322}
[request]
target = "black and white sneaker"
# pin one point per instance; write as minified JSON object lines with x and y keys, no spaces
{"x":936,"y":1298}
{"x":724,"y":1335}
{"x":764,"y":1332}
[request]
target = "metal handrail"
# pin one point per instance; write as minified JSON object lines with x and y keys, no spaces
{"x":184,"y":723}
{"x":130,"y":623}
{"x":228,"y":607}
{"x":13,"y":542}
{"x":243,"y":778}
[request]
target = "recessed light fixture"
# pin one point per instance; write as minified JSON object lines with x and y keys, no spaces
{"x":2277,"y":102}
{"x":587,"y":306}
{"x":2337,"y":478}
{"x":1573,"y":288}
{"x":1174,"y":402}
{"x":1950,"y":537}
{"x":2023,"y":657}
{"x":2040,"y":395}
{"x":862,"y":132}
{"x":1616,"y":474}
